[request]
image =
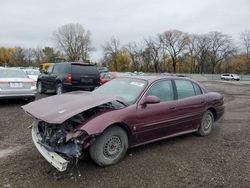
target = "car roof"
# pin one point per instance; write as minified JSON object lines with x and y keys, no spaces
{"x":151,"y":79}
{"x":76,"y":63}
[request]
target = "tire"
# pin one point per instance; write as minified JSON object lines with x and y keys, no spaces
{"x":59,"y":89}
{"x":40,"y":87}
{"x":102,"y":153}
{"x":206,"y":125}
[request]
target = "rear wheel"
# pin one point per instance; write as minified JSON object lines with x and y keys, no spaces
{"x":59,"y":89}
{"x":110,"y":147}
{"x":206,"y":124}
{"x":40,"y":87}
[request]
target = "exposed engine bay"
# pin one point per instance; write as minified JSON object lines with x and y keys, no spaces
{"x":67,"y":139}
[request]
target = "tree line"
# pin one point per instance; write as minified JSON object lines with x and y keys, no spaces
{"x":170,"y":51}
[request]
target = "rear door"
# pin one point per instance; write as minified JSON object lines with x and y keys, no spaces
{"x":191,"y":104}
{"x":84,"y":76}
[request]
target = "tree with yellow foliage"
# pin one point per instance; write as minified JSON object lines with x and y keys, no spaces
{"x":5,"y":55}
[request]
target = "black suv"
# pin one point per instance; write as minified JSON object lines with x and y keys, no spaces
{"x":69,"y":76}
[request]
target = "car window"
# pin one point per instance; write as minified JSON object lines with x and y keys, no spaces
{"x":32,"y":72}
{"x":162,"y":89}
{"x":197,"y":89}
{"x":184,"y":89}
{"x":12,"y":73}
{"x":49,"y":70}
{"x":128,"y":89}
{"x":84,"y":69}
{"x":59,"y":68}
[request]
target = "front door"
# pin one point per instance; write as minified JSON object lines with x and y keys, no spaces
{"x":155,"y":121}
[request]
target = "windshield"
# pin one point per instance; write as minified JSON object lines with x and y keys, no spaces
{"x":128,"y":89}
{"x":12,"y":73}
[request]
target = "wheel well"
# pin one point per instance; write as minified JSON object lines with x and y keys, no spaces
{"x":125,"y":127}
{"x":214,"y":112}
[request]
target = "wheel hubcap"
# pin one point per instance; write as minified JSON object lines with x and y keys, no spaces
{"x":207,"y":122}
{"x":112,"y":147}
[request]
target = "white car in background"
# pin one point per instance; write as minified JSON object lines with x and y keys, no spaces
{"x":32,"y":73}
{"x":230,"y":77}
{"x":14,"y":83}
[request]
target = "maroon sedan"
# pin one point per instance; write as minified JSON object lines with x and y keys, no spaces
{"x":123,"y":113}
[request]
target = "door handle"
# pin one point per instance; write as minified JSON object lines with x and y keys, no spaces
{"x":202,"y":102}
{"x":172,"y":108}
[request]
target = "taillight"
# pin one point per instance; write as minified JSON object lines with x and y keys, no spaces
{"x":69,"y":78}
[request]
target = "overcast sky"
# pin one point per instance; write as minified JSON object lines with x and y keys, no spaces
{"x":30,"y":23}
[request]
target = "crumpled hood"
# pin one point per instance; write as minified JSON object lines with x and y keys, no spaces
{"x":59,"y":108}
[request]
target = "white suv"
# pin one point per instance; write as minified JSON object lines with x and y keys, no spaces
{"x":229,"y":77}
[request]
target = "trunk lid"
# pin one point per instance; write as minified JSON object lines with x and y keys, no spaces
{"x":15,"y":83}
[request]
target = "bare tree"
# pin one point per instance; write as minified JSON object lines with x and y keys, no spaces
{"x":155,"y":54}
{"x":74,"y":41}
{"x":39,"y":56}
{"x":191,"y":51}
{"x":29,"y":56}
{"x":111,"y":50}
{"x":221,"y":46}
{"x":201,"y":46}
{"x":245,"y":39}
{"x":18,"y":57}
{"x":146,"y":59}
{"x":174,"y":42}
{"x":135,"y":53}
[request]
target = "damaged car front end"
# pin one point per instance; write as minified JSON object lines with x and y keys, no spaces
{"x":63,"y":143}
{"x":60,"y":145}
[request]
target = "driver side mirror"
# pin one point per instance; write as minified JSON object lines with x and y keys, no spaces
{"x":151,"y":100}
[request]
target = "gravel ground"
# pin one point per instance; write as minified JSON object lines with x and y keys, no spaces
{"x":221,"y":159}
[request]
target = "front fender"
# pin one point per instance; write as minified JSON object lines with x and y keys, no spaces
{"x":98,"y":124}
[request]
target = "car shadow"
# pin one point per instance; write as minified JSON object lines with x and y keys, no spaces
{"x":13,"y":102}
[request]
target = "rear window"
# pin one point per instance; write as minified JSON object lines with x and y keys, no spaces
{"x":32,"y":72}
{"x":84,"y":69}
{"x":8,"y":73}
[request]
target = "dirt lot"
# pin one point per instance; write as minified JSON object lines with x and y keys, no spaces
{"x":219,"y":160}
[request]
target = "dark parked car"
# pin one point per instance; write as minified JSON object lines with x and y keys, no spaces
{"x":123,"y":113}
{"x":68,"y":76}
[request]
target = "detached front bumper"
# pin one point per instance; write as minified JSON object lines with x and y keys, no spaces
{"x":53,"y":158}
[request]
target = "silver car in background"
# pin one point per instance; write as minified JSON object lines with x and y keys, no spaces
{"x":14,"y":83}
{"x":226,"y":76}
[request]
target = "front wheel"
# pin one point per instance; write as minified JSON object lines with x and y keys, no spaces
{"x":110,"y":147}
{"x":206,"y":124}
